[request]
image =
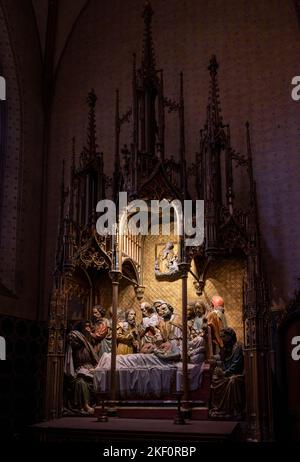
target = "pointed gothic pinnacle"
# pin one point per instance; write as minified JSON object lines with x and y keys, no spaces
{"x":213,"y":66}
{"x":91,"y":132}
{"x":181,"y":85}
{"x":63,"y":175}
{"x":73,"y":154}
{"x":134,"y":63}
{"x":248,"y":139}
{"x":91,"y":99}
{"x":250,"y":166}
{"x":147,"y":13}
{"x":214,"y":110}
{"x":117,"y":113}
{"x":148,"y":59}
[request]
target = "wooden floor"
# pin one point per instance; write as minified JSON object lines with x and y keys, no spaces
{"x":143,"y":430}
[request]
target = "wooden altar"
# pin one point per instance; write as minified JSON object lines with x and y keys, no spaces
{"x":92,"y":269}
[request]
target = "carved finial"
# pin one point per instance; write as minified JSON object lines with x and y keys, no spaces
{"x":71,"y":188}
{"x":134,"y":64}
{"x":228,"y":172}
{"x":214,"y":117}
{"x":91,"y":99}
{"x":73,"y":154}
{"x":61,"y":215}
{"x":213,"y":66}
{"x":147,"y":13}
{"x":63,"y":178}
{"x":181,"y":87}
{"x":117,"y":115}
{"x":90,"y":150}
{"x":148,"y":60}
{"x":248,"y":140}
{"x":250,"y":167}
{"x":117,"y":135}
{"x":182,"y":138}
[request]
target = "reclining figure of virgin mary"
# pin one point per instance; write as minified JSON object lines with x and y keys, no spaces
{"x":157,"y":370}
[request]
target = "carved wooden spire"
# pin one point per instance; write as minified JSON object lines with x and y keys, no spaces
{"x":252,"y":192}
{"x":148,"y":129}
{"x":62,"y":190}
{"x":90,"y":150}
{"x":148,"y":57}
{"x":61,"y":218}
{"x":229,"y":173}
{"x":214,"y":118}
{"x":147,"y":150}
{"x":212,"y":143}
{"x":253,"y":222}
{"x":116,"y":177}
{"x":182,"y":138}
{"x":72,"y":176}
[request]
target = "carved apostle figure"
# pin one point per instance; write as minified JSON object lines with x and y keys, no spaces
{"x":217,"y":321}
{"x":98,"y":329}
{"x":218,"y":308}
{"x":127,"y":334}
{"x":170,"y":324}
{"x":80,"y":361}
{"x":149,"y":332}
{"x":196,"y":319}
{"x":200,"y":316}
{"x":228,"y":399}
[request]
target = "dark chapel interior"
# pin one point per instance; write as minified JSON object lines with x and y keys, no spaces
{"x":166,"y":100}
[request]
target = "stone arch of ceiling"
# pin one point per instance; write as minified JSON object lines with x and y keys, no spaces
{"x":73,"y":24}
{"x":68,"y":39}
{"x":75,"y":11}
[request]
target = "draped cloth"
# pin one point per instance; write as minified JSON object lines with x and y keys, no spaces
{"x":228,"y":395}
{"x":144,"y":375}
